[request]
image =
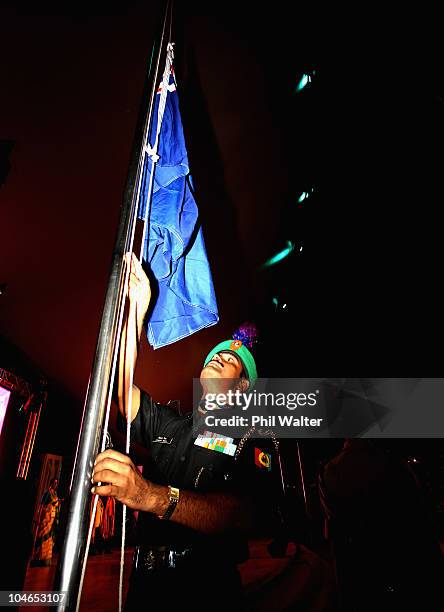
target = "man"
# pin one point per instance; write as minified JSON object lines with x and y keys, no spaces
{"x":195,"y":503}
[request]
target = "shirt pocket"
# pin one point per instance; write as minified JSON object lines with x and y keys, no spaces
{"x":163,"y":455}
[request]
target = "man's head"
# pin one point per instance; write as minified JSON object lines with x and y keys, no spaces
{"x":229,"y":365}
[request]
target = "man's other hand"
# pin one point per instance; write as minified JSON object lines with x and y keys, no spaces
{"x":121,"y":479}
{"x":139,"y":286}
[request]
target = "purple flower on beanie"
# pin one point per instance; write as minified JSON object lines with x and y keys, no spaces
{"x":247,"y":333}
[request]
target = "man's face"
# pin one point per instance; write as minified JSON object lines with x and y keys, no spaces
{"x":221,"y":372}
{"x":223,"y":365}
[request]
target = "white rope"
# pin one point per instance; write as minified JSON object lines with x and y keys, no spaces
{"x":149,"y":150}
{"x":152,"y":152}
{"x":81,"y":429}
{"x":88,"y":543}
{"x":122,"y":557}
{"x":127,"y":449}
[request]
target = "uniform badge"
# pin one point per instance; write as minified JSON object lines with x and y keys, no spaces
{"x":235,"y":345}
{"x":216,"y":442}
{"x":262,"y":459}
{"x":163,"y":440}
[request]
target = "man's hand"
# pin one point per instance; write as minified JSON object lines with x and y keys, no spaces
{"x":125,"y":482}
{"x":139,"y":286}
{"x":207,"y":513}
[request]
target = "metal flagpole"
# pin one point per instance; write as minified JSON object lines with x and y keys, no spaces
{"x":69,"y":567}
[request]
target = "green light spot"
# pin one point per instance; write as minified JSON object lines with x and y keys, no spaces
{"x":280,"y":256}
{"x":305,"y":79}
{"x":304,"y":195}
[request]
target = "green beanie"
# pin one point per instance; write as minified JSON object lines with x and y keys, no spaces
{"x":240,"y":350}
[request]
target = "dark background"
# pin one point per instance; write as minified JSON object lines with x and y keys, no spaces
{"x":363,"y":298}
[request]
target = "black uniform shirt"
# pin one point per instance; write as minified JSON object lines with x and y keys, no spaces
{"x":177,"y":461}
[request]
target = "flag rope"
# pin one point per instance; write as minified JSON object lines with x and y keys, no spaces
{"x":127,"y":449}
{"x":154,"y":157}
{"x":152,"y":151}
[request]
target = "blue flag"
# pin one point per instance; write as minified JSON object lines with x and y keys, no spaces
{"x":174,"y":246}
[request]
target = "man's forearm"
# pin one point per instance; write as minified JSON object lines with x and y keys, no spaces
{"x":129,"y":343}
{"x":139,"y":294}
{"x":207,"y":513}
{"x":204,"y":512}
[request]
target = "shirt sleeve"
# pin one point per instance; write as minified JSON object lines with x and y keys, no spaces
{"x":151,"y":420}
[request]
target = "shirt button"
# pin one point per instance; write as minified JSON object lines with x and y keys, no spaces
{"x":182,"y":458}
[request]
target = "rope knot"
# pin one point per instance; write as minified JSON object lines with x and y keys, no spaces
{"x":151,"y":152}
